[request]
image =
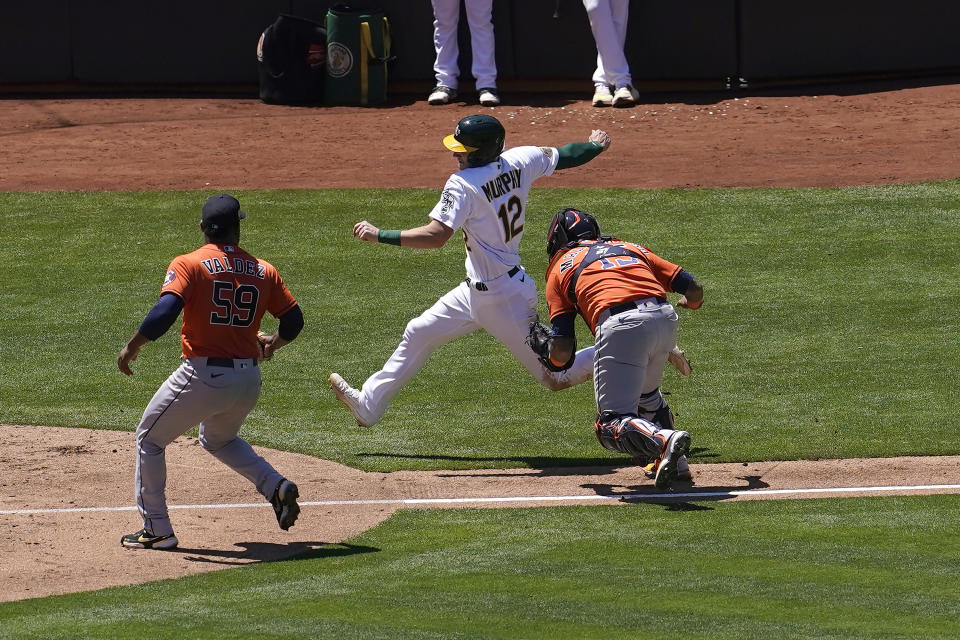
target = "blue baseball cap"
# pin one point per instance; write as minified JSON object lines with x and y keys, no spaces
{"x":221,"y":211}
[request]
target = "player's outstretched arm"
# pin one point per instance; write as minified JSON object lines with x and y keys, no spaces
{"x":160,"y":318}
{"x":430,"y":236}
{"x":578,"y":153}
{"x":601,"y":137}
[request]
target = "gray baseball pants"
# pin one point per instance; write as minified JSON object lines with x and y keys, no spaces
{"x":218,"y":398}
{"x":631,"y":351}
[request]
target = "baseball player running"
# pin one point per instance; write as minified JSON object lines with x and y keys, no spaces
{"x":620,"y":289}
{"x":223,"y":292}
{"x":487,"y":200}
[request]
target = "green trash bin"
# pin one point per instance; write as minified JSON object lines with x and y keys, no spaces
{"x":358,"y":49}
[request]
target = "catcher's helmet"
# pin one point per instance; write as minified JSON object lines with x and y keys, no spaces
{"x":571,"y":225}
{"x":481,"y":136}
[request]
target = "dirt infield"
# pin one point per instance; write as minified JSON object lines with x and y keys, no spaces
{"x":832,"y":136}
{"x":80,"y":481}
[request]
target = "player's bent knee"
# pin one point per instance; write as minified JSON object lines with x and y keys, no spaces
{"x":619,"y":433}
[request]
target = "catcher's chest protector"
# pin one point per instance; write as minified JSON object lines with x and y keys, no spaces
{"x":290,"y":61}
{"x":358,"y":49}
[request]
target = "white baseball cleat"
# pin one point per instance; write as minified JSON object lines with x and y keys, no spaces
{"x":602,"y":96}
{"x":489,"y":97}
{"x":678,"y":358}
{"x":441,"y":95}
{"x":683,"y":469}
{"x":351,"y":397}
{"x":625,"y":96}
{"x":677,"y":446}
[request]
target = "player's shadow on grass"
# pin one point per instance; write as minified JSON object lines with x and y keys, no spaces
{"x":686,"y":491}
{"x":541,"y":466}
{"x":257,"y":552}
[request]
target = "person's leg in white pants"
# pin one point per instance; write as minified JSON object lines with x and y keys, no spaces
{"x":446,"y":15}
{"x":608,"y":22}
{"x":447,"y":319}
{"x":480,"y":19}
{"x":508,"y":316}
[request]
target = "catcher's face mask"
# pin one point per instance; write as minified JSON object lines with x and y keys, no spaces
{"x":556,"y":235}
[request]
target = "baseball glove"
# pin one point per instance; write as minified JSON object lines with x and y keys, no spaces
{"x":539,"y":339}
{"x":678,"y":358}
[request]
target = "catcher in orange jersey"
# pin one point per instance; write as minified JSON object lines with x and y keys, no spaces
{"x":620,"y":289}
{"x":223,"y":292}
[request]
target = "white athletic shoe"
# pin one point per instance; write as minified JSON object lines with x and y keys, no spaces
{"x":441,"y":95}
{"x":678,"y":358}
{"x":677,"y":446}
{"x":489,"y":97}
{"x":683,"y":469}
{"x":625,"y":96}
{"x":351,"y":397}
{"x":602,"y":96}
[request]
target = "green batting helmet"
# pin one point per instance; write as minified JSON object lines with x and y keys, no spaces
{"x":480,"y":136}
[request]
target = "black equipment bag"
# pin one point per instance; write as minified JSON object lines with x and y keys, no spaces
{"x":291,"y":60}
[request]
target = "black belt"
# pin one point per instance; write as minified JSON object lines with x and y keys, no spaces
{"x":479,"y":286}
{"x":226,"y":362}
{"x":629,"y":306}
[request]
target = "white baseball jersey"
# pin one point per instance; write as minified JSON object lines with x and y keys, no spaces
{"x":488,"y":204}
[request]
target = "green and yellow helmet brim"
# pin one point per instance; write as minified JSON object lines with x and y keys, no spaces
{"x":451,"y":142}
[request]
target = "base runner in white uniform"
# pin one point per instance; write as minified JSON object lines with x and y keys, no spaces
{"x":486,"y":199}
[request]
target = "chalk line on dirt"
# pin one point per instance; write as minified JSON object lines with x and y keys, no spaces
{"x":690,"y":495}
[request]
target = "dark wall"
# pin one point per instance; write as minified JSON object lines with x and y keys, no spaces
{"x":35,"y":41}
{"x":209,"y":43}
{"x":831,"y":37}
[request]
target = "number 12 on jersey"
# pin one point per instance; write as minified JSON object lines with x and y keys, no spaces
{"x":510,"y":228}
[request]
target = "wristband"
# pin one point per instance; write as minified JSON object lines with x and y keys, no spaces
{"x":389,"y":237}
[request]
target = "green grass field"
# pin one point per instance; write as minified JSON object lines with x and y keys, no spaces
{"x":829,"y":330}
{"x":818,"y":569}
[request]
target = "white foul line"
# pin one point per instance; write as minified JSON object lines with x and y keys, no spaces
{"x":692,"y":495}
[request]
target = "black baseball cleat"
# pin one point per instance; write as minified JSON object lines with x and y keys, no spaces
{"x":144,"y":539}
{"x":678,"y":445}
{"x":285,"y":505}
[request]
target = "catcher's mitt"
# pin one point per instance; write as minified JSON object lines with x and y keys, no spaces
{"x":539,"y":339}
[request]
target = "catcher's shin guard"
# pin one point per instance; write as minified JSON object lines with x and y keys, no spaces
{"x":627,"y":434}
{"x":662,"y":416}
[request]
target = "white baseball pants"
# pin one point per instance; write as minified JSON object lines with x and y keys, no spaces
{"x":446,"y":14}
{"x":505,"y":311}
{"x":608,"y":22}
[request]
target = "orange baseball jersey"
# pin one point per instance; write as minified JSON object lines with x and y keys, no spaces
{"x":607,"y":281}
{"x":225,"y":292}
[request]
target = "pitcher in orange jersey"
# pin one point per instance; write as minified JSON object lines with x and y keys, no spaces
{"x":620,"y":289}
{"x":223,"y":292}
